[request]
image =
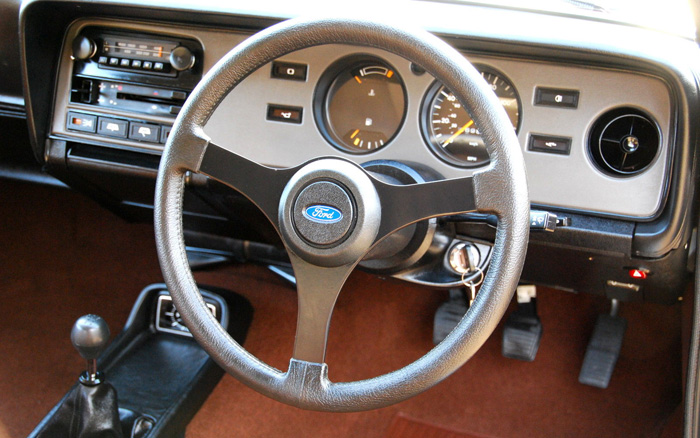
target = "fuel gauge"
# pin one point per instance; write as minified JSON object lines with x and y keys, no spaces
{"x":362,"y":106}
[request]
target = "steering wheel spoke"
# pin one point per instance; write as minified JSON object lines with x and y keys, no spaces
{"x":404,"y":205}
{"x":260,"y":184}
{"x":317,"y":291}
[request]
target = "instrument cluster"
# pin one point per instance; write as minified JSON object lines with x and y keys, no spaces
{"x":361,"y":104}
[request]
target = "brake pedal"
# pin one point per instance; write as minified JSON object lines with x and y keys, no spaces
{"x":449,"y":314}
{"x":603,"y":349}
{"x":523,"y":329}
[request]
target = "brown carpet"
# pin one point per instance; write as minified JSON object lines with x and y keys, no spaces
{"x":405,"y":427}
{"x":64,"y":256}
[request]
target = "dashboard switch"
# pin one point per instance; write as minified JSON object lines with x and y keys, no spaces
{"x":144,"y":132}
{"x":288,"y":114}
{"x":550,"y":144}
{"x":287,"y":70}
{"x":112,"y":127}
{"x":638,"y":273}
{"x":556,"y":97}
{"x":81,"y":122}
{"x":165,"y":133}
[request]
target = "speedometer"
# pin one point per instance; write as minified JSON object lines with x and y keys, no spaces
{"x":450,"y":130}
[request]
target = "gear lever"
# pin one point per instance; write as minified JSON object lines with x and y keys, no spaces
{"x":90,"y":335}
{"x":90,"y":409}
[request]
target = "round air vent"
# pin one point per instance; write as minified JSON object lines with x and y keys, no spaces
{"x":624,"y":142}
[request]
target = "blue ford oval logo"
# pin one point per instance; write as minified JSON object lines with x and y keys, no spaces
{"x":323,"y":214}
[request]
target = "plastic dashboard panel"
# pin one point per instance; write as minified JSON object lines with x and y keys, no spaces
{"x":563,"y":181}
{"x":559,"y":181}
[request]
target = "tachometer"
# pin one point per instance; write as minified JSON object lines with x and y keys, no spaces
{"x":449,"y":129}
{"x":363,"y":104}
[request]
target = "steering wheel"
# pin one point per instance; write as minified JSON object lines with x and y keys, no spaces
{"x":324,"y":250}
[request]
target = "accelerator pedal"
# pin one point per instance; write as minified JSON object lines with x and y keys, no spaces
{"x":603,"y":349}
{"x":523,"y":329}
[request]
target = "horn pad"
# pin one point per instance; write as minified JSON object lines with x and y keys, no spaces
{"x":323,"y":213}
{"x":329,"y":213}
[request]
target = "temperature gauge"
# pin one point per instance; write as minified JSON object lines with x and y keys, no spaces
{"x":364,"y":104}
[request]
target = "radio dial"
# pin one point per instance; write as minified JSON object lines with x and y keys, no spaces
{"x":83,"y":48}
{"x":181,"y":58}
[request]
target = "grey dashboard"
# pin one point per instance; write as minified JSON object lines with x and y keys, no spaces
{"x":570,"y":181}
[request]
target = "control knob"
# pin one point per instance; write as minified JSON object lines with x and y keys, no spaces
{"x":181,"y":58}
{"x":90,"y":336}
{"x":83,"y":48}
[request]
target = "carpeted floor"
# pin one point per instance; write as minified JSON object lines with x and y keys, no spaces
{"x":64,"y":256}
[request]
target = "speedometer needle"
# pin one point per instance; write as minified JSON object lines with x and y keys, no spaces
{"x":456,"y":134}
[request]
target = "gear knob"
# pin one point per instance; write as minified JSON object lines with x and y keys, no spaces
{"x":90,"y":336}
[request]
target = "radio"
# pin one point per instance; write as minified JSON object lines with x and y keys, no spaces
{"x":131,"y":74}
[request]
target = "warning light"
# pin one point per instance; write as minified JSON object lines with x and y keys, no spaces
{"x":639,"y":274}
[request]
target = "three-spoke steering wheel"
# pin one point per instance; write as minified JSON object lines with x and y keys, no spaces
{"x":324,"y":251}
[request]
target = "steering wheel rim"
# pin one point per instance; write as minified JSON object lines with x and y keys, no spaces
{"x":501,"y":189}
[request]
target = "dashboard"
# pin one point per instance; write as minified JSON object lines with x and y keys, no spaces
{"x":397,"y":111}
{"x":607,"y":127}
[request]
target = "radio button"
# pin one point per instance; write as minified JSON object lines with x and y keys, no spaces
{"x":103,"y":60}
{"x":158,"y":66}
{"x":144,"y":132}
{"x":125,"y":63}
{"x":112,"y":127}
{"x":147,"y":65}
{"x":113,"y":61}
{"x":135,"y":63}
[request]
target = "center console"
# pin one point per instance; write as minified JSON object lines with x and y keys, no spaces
{"x":160,"y":374}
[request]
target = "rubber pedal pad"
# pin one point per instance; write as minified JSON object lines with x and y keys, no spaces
{"x":603,"y":351}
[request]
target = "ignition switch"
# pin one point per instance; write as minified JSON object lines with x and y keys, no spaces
{"x":464,"y":257}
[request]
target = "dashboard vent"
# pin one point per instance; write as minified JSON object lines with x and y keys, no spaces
{"x":624,"y":142}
